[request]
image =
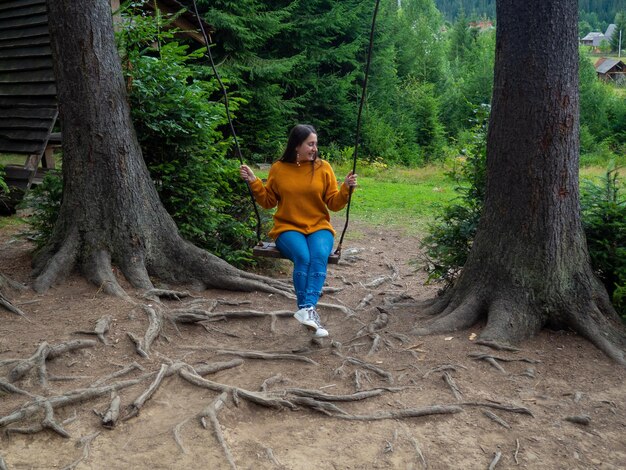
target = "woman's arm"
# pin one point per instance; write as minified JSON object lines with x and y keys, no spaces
{"x":263,"y":194}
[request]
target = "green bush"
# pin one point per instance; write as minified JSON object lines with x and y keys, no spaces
{"x":179,"y":128}
{"x":44,"y":203}
{"x":3,"y":185}
{"x":604,"y":217}
{"x":449,"y":239}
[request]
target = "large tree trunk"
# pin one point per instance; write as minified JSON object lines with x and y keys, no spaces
{"x":111,"y":212}
{"x":529,"y":265}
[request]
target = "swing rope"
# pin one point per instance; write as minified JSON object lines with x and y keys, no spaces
{"x":208,"y":44}
{"x":358,"y":123}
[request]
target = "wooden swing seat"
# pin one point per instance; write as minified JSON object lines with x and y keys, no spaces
{"x":269,"y":250}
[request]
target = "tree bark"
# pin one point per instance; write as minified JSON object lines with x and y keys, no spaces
{"x":111,"y":212}
{"x":529,"y":265}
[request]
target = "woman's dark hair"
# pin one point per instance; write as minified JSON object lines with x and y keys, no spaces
{"x":299,"y":133}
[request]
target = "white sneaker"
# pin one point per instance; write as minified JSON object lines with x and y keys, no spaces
{"x":309,"y":317}
{"x":321,"y":332}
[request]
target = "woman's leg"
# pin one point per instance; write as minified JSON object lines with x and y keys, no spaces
{"x":320,"y":245}
{"x":294,"y":246}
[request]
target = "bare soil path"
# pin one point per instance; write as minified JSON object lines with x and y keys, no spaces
{"x":349,"y":402}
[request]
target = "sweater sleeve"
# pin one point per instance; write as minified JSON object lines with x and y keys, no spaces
{"x":335,"y":199}
{"x":265,"y":194}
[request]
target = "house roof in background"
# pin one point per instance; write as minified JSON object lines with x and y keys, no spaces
{"x":606,"y":65}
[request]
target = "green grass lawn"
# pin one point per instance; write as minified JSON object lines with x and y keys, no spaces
{"x":411,"y":198}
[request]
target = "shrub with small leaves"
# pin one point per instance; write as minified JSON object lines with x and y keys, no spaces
{"x":450,"y":238}
{"x":604,"y":217}
{"x":178,"y":124}
{"x":43,"y":202}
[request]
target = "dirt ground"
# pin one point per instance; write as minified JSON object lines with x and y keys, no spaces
{"x":565,"y":377}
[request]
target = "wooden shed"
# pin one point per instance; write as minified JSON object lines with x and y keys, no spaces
{"x":611,"y":69}
{"x":28,"y":104}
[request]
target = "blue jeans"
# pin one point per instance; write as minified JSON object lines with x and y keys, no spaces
{"x":309,"y":254}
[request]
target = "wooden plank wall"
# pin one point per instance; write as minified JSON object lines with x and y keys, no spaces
{"x":28,"y":104}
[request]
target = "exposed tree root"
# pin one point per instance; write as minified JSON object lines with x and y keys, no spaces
{"x":6,"y":284}
{"x":211,"y":413}
{"x":514,"y":313}
{"x":43,"y":353}
{"x":497,"y":419}
{"x":183,"y":315}
{"x":109,"y":418}
{"x":33,"y":407}
{"x":405,"y":413}
{"x":496,"y":345}
{"x":155,"y":318}
{"x":500,"y":406}
{"x":6,"y":303}
{"x":496,"y":459}
{"x":102,"y":326}
{"x":267,"y":356}
{"x":85,"y":443}
{"x":580,"y":419}
{"x":366,"y":365}
{"x":161,"y":253}
{"x":342,"y":398}
{"x":447,"y":378}
{"x":442,"y":368}
{"x":152,"y":294}
{"x":125,"y":370}
{"x":10,"y":388}
{"x":134,"y":408}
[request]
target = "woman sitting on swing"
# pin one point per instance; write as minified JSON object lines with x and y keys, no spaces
{"x":304,"y":187}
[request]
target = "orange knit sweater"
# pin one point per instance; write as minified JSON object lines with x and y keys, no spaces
{"x":302,"y":196}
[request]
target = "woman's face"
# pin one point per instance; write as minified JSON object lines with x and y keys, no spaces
{"x":307,"y":150}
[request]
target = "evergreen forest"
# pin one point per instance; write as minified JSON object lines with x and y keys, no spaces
{"x":598,"y":13}
{"x":431,"y":77}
